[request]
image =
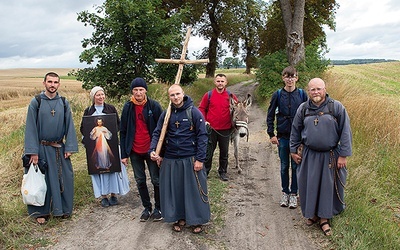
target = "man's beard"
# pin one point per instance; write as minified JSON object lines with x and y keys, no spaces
{"x":317,"y":99}
{"x":52,"y":90}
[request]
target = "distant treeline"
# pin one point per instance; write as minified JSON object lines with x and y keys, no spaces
{"x":359,"y":61}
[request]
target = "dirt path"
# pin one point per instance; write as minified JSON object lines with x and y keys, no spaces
{"x":254,"y":219}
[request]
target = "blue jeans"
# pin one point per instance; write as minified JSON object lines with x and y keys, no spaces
{"x":284,"y":155}
{"x":138,"y":165}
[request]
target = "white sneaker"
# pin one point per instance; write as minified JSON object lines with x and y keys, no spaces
{"x":284,"y":200}
{"x":292,"y":201}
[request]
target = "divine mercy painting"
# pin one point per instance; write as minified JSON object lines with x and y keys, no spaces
{"x":100,"y":137}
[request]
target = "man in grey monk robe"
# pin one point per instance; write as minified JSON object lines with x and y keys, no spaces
{"x":183,"y":177}
{"x":322,"y":126}
{"x":50,"y":136}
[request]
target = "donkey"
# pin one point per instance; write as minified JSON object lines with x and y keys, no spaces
{"x":240,"y":118}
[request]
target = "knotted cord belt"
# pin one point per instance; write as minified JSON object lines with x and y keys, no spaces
{"x":201,"y":190}
{"x":336,"y":176}
{"x":57,"y":145}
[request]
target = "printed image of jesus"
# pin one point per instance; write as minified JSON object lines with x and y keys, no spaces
{"x":102,"y":153}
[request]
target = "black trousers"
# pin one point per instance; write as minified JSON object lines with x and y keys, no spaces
{"x":222,"y":138}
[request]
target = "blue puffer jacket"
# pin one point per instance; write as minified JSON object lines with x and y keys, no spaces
{"x":284,"y":111}
{"x":182,"y":140}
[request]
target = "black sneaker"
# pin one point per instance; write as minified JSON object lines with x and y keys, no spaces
{"x":145,"y":215}
{"x":156,"y":215}
{"x":223,"y":176}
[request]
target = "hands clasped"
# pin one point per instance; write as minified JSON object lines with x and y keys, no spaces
{"x":156,"y":157}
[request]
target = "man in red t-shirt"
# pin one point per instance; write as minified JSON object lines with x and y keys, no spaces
{"x":215,"y":107}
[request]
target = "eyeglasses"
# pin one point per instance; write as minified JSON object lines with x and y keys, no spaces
{"x":290,"y":77}
{"x":316,"y":89}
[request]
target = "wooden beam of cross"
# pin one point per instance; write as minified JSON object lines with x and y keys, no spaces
{"x":182,"y":61}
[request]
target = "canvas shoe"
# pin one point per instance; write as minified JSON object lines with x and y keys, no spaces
{"x":145,"y":215}
{"x":156,"y":215}
{"x":292,"y":201}
{"x":284,"y":200}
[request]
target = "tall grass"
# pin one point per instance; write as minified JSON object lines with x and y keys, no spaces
{"x":370,"y":95}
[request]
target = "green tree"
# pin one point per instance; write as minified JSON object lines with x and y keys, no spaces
{"x":216,"y":21}
{"x":227,"y":62}
{"x":236,"y":62}
{"x":128,"y":35}
{"x":253,"y":15}
{"x":271,"y":66}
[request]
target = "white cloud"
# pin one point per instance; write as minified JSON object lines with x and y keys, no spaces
{"x":46,"y":33}
{"x":367,"y":29}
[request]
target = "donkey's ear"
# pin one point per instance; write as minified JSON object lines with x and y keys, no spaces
{"x":248,"y":100}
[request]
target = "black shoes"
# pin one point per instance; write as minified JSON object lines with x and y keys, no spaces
{"x":145,"y":215}
{"x":223,"y":176}
{"x":156,"y":215}
{"x":113,"y":201}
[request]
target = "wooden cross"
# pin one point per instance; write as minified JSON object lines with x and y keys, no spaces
{"x":182,"y":61}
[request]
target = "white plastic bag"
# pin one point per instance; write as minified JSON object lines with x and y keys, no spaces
{"x":33,"y":188}
{"x":123,"y":181}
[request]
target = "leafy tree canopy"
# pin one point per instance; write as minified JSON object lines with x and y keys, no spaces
{"x":128,"y":35}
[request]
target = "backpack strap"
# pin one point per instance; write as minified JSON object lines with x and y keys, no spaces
{"x":279,"y":97}
{"x":189,"y":116}
{"x":39,"y":101}
{"x":209,"y":97}
{"x":302,"y":94}
{"x":331,"y":109}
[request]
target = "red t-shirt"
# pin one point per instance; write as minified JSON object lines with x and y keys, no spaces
{"x":141,"y":141}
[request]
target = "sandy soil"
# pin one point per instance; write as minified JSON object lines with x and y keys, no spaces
{"x":254,"y":219}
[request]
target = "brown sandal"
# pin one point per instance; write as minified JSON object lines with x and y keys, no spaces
{"x":197,"y":229}
{"x":327,"y":231}
{"x":312,"y":221}
{"x":179,"y":225}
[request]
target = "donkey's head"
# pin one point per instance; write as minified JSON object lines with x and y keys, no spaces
{"x":240,"y":115}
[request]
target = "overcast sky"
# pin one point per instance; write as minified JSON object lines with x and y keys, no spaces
{"x":46,"y":34}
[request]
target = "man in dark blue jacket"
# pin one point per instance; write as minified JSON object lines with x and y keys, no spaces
{"x":283,"y":107}
{"x":183,"y":178}
{"x":138,"y":120}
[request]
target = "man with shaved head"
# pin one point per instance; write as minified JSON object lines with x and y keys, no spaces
{"x":183,"y":178}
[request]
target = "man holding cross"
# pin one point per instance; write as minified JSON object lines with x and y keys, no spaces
{"x":183,"y":180}
{"x":138,"y":120}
